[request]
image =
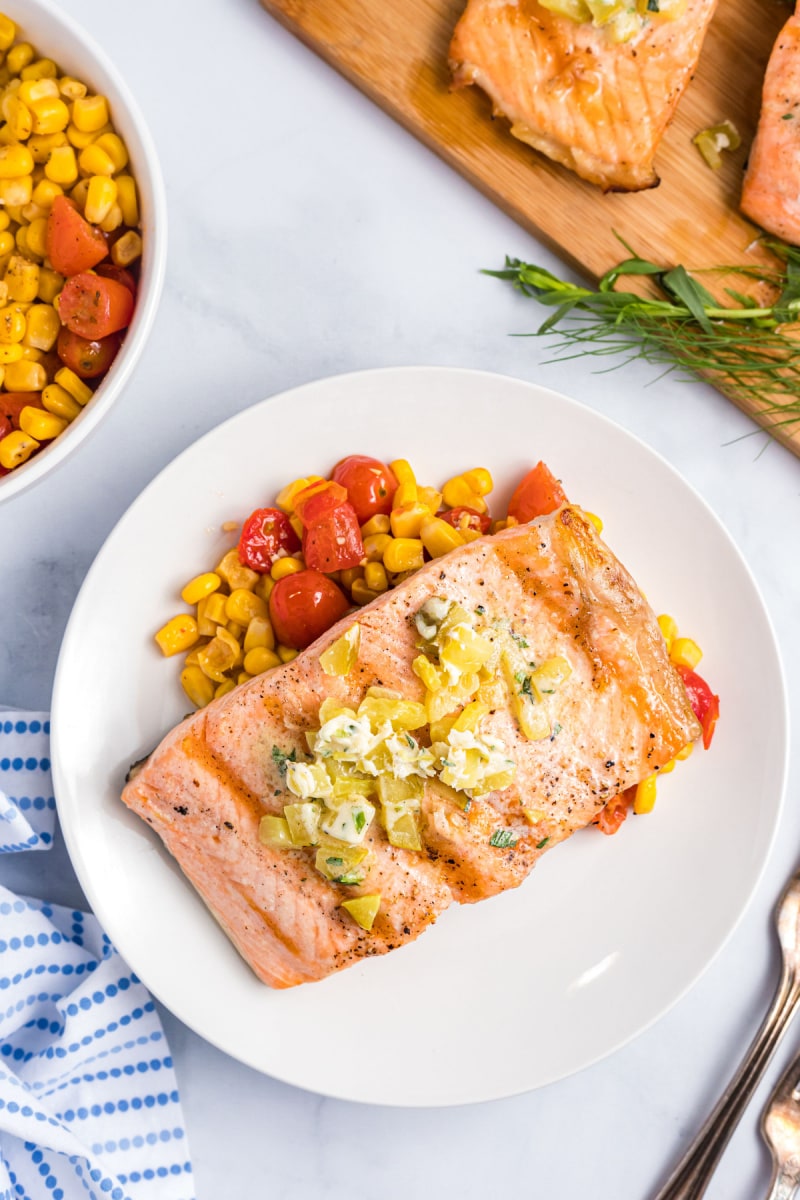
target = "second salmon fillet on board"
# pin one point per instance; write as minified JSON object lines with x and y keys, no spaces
{"x":597,"y":106}
{"x":549,"y":591}
{"x":771,"y":191}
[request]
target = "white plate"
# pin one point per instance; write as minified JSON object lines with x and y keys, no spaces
{"x":517,"y":991}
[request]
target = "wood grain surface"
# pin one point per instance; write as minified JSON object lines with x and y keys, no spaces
{"x":396,"y":53}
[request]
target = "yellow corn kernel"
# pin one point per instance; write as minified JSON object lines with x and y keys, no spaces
{"x":8,"y":31}
{"x":480,"y":480}
{"x":375,"y":546}
{"x":200,"y":587}
{"x":36,"y":89}
{"x":7,"y":243}
{"x":37,"y":240}
{"x":31,"y":354}
{"x":667,"y":767}
{"x":377,"y":524}
{"x":407,"y":519}
{"x":243,"y":677}
{"x":286,"y":653}
{"x":16,"y":192}
{"x":685,"y":653}
{"x":112,"y":220}
{"x":45,"y":192}
{"x":100,"y":196}
{"x":260,"y":659}
{"x":235,"y":574}
{"x":24,"y":376}
{"x":286,"y":496}
{"x":685,"y":753}
{"x":73,"y":384}
{"x":93,"y":160}
{"x":127,"y":249}
{"x":112,"y":145}
{"x":375,"y":577}
{"x":78,"y":193}
{"x":42,"y":145}
{"x":235,"y":630}
{"x":80,"y":139}
{"x":177,"y":635}
{"x":430,"y":498}
{"x":62,"y":166}
{"x":406,"y":494}
{"x":243,"y":604}
{"x":205,"y":627}
{"x":361,"y":594}
{"x":15,"y":160}
{"x":349,"y":575}
{"x":457,"y":492}
{"x":223,"y":688}
{"x":43,"y":68}
{"x":90,"y":113}
{"x":259,"y":633}
{"x":439,"y":537}
{"x":645,"y":798}
{"x":49,"y":115}
{"x":285,"y":566}
{"x":404,"y":554}
{"x":43,"y":426}
{"x":60,"y":403}
{"x":43,"y":327}
{"x":50,"y":284}
{"x":32,"y":211}
{"x":264,"y":586}
{"x":669,"y":629}
{"x":22,"y":278}
{"x":21,"y":240}
{"x":5,"y":220}
{"x":128,"y":202}
{"x":18,"y":117}
{"x":12,"y":323}
{"x":72,"y":89}
{"x":19,"y":57}
{"x":15,"y":448}
{"x":402,"y":472}
{"x":198,"y":687}
{"x":11,"y":353}
{"x":294,"y":520}
{"x":215,"y":609}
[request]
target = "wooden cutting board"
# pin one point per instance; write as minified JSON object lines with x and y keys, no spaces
{"x":397,"y":54}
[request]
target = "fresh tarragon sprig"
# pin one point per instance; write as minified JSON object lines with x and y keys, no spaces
{"x":751,"y":350}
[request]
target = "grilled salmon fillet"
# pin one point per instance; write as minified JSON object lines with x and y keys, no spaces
{"x":621,"y":715}
{"x":771,"y":190}
{"x":596,"y":106}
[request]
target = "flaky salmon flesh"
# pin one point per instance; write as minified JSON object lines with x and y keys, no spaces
{"x":594,"y":105}
{"x":622,"y":713}
{"x":771,"y":190}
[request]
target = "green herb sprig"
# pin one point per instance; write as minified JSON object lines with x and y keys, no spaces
{"x":746,"y":348}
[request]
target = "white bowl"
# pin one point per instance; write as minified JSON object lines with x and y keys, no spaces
{"x":56,"y":36}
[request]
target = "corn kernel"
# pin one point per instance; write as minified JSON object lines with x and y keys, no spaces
{"x":685,"y":753}
{"x":198,"y":687}
{"x":7,"y":243}
{"x":430,"y":498}
{"x":439,"y":537}
{"x":5,"y":219}
{"x":361,"y":593}
{"x":259,"y":633}
{"x":45,"y":192}
{"x":402,"y":472}
{"x":12,"y":323}
{"x":669,"y":629}
{"x":112,"y":145}
{"x":31,"y":354}
{"x":19,"y":57}
{"x":375,"y":577}
{"x":216,"y":608}
{"x":73,"y":384}
{"x":667,"y":767}
{"x":235,"y":574}
{"x":72,"y":89}
{"x":264,"y":586}
{"x":43,"y":327}
{"x":177,"y":635}
{"x":16,"y":192}
{"x":79,"y":139}
{"x":44,"y":68}
{"x":380,"y":523}
{"x":243,"y":677}
{"x":22,"y":278}
{"x":349,"y":575}
{"x":223,"y":688}
{"x":243,"y":604}
{"x":285,"y":566}
{"x":260,"y":659}
{"x":457,"y":492}
{"x":18,"y":117}
{"x":595,"y":520}
{"x":112,"y":220}
{"x":42,"y":145}
{"x":645,"y":797}
{"x":93,"y":160}
{"x":9,"y":354}
{"x":36,"y":89}
{"x":404,"y":554}
{"x":100,"y":196}
{"x":127,"y":249}
{"x":78,"y":193}
{"x":407,"y":520}
{"x":286,"y":653}
{"x":90,"y":113}
{"x":15,"y":160}
{"x":59,"y":402}
{"x":405,"y":495}
{"x":126,"y":194}
{"x":685,"y":653}
{"x":375,"y":546}
{"x":37,"y":239}
{"x":41,"y":425}
{"x":294,"y":520}
{"x":200,"y":587}
{"x":480,"y":480}
{"x":8,"y":32}
{"x":49,"y":115}
{"x":24,"y":376}
{"x":62,"y":166}
{"x":50,"y":284}
{"x":15,"y":448}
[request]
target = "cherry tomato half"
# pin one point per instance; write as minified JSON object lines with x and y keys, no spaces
{"x":331,"y":532}
{"x":95,"y":307}
{"x":479,"y":522}
{"x":86,"y":358}
{"x":302,"y":606}
{"x":112,"y":271}
{"x":539,"y":493}
{"x":370,"y":485}
{"x":72,"y":244}
{"x":265,"y":533}
{"x":703,"y":701}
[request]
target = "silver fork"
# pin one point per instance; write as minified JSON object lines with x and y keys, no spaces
{"x":780,"y":1127}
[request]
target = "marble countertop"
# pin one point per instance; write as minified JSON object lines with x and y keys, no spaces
{"x":310,"y":235}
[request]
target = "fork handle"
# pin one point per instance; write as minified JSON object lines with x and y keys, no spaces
{"x":785,"y":1180}
{"x":691,"y":1177}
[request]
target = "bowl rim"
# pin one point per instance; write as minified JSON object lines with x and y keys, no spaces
{"x":155,"y":255}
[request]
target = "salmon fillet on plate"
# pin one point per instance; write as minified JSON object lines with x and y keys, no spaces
{"x":427,"y":749}
{"x":592,"y":84}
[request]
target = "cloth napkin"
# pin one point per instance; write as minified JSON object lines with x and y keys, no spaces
{"x":89,"y":1103}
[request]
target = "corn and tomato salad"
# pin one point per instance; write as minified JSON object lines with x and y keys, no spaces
{"x":70,"y":246}
{"x":328,"y":546}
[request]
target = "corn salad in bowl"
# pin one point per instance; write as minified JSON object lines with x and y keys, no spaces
{"x":82,"y":239}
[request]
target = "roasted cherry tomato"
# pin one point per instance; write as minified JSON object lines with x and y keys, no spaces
{"x":112,"y":271}
{"x":302,"y":606}
{"x":538,"y":494}
{"x":72,"y":244}
{"x":85,"y":357}
{"x":265,"y":534}
{"x":331,"y":532}
{"x":479,"y":522}
{"x":703,"y":701}
{"x":615,"y":812}
{"x":95,"y":307}
{"x":12,"y":404}
{"x":370,"y":485}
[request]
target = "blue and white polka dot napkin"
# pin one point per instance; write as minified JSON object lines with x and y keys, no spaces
{"x":89,"y":1104}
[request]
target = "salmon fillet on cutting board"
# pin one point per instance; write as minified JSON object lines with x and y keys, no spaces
{"x":596,"y":106}
{"x":771,"y":190}
{"x":621,"y":715}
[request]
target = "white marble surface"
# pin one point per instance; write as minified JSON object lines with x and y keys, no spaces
{"x":311,"y":235}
